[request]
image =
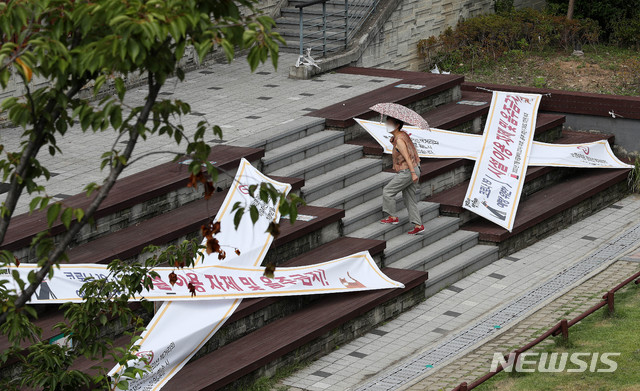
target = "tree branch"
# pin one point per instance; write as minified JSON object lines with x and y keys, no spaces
{"x":30,"y":151}
{"x":116,"y":169}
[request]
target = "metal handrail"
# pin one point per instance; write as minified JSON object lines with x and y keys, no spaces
{"x":355,"y":13}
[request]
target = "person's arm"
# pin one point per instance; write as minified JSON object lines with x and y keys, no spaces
{"x":405,"y":154}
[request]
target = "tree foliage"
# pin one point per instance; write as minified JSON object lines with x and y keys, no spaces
{"x":75,"y":45}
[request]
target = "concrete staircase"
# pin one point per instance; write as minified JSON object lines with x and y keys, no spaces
{"x":337,"y":175}
{"x":288,"y":24}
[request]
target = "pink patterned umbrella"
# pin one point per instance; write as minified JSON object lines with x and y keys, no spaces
{"x":402,"y":113}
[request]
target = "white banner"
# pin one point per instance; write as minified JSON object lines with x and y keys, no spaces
{"x":438,"y":143}
{"x":197,"y":321}
{"x":357,"y":272}
{"x":499,"y":173}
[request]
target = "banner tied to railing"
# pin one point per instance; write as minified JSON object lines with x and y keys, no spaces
{"x":357,"y":272}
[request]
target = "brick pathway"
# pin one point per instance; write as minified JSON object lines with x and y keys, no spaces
{"x":229,"y":95}
{"x":453,"y":309}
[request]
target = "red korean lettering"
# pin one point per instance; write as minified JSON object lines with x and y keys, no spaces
{"x":248,"y":282}
{"x":498,"y":169}
{"x":159,"y":284}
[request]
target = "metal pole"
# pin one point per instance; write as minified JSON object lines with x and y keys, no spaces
{"x":301,"y":32}
{"x":346,"y":23}
{"x":324,"y":28}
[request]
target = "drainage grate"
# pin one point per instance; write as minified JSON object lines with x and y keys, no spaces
{"x":417,"y":366}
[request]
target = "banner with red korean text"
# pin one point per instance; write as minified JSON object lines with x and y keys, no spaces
{"x":499,"y":173}
{"x":357,"y":272}
{"x":438,"y":143}
{"x":166,"y":350}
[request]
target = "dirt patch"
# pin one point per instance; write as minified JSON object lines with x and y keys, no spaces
{"x":599,"y":71}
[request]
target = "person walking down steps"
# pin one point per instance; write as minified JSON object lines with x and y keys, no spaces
{"x":406,"y":164}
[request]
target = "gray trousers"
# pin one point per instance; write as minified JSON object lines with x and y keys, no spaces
{"x":402,"y":182}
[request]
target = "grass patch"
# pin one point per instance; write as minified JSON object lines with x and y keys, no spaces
{"x":597,"y":333}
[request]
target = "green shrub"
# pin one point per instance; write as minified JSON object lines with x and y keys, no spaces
{"x":483,"y":39}
{"x":608,"y":13}
{"x":626,"y":32}
{"x":503,"y":6}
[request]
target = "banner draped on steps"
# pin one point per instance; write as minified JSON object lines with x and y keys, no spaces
{"x":357,"y":272}
{"x":184,"y":324}
{"x":502,"y":153}
{"x":499,"y":172}
{"x":180,"y":328}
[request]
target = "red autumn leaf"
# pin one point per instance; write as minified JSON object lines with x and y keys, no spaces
{"x":192,"y":289}
{"x":172,"y":278}
{"x":210,"y":228}
{"x":237,"y":251}
{"x":17,"y":260}
{"x":269,"y":269}
{"x":213,"y":246}
{"x":222,"y":255}
{"x":209,"y":189}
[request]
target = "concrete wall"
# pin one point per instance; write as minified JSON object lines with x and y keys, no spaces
{"x":395,"y":46}
{"x":625,"y":130}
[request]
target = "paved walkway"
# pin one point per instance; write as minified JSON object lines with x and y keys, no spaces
{"x":393,"y":347}
{"x":573,"y":303}
{"x":228,"y":95}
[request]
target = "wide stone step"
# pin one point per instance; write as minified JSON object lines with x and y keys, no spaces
{"x":357,"y":193}
{"x":381,"y":231}
{"x":340,"y":178}
{"x":403,"y":245}
{"x":366,"y":213}
{"x":303,"y":148}
{"x":283,"y":134}
{"x":304,"y":335}
{"x":435,"y":253}
{"x":322,"y":163}
{"x":460,"y":266}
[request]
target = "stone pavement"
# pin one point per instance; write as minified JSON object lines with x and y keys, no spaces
{"x":229,"y":95}
{"x":393,"y":346}
{"x":573,"y":303}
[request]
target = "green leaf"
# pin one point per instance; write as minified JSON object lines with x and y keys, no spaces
{"x":238,"y":217}
{"x":123,"y":385}
{"x":66,"y":217}
{"x":253,"y":211}
{"x":52,"y":213}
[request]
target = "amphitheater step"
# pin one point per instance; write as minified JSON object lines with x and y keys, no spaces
{"x":381,"y":231}
{"x":555,"y":207}
{"x":430,"y":255}
{"x":133,"y":199}
{"x":460,"y":266}
{"x":419,"y":91}
{"x":322,"y":163}
{"x":252,"y":314}
{"x":304,"y":335}
{"x":300,"y":149}
{"x":357,"y":193}
{"x":340,"y":178}
{"x":435,"y":230}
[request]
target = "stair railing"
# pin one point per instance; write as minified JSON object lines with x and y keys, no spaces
{"x":301,"y":7}
{"x":355,"y":13}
